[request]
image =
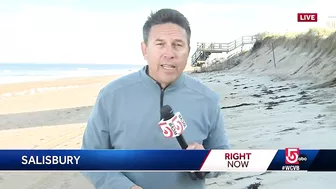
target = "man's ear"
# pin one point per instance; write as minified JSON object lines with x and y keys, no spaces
{"x":144,"y":50}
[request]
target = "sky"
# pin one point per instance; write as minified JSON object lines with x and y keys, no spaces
{"x":110,"y":31}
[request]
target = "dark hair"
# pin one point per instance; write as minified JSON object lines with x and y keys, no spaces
{"x":164,"y":16}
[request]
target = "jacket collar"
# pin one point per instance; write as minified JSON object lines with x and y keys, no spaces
{"x":149,"y":81}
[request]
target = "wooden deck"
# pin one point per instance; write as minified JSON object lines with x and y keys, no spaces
{"x":204,"y":50}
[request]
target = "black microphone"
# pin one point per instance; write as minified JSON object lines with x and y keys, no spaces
{"x":167,"y":113}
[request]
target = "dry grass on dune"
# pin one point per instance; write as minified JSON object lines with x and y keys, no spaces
{"x":321,"y":41}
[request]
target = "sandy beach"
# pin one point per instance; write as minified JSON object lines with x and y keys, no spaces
{"x":270,"y":113}
{"x":288,"y":116}
{"x":50,"y":118}
{"x":262,"y":111}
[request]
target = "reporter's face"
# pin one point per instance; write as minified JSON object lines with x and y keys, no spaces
{"x":166,"y":52}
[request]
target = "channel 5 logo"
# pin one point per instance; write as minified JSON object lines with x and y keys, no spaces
{"x":293,"y":156}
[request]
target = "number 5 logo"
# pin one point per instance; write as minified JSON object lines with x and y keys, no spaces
{"x":292,"y":155}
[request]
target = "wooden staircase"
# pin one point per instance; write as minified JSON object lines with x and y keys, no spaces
{"x":204,"y":50}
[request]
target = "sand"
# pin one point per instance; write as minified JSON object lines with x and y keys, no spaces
{"x":262,"y":111}
{"x":282,"y":113}
{"x":51,"y":118}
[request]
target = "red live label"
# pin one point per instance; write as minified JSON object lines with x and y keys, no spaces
{"x":307,"y":17}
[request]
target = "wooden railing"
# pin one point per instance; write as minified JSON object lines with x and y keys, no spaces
{"x":220,"y":47}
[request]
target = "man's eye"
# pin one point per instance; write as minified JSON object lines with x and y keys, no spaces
{"x":179,"y":45}
{"x":160,"y":44}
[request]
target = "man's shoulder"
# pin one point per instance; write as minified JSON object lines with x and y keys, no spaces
{"x":122,"y":82}
{"x":200,"y":88}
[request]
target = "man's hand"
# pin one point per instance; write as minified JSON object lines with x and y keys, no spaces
{"x":198,"y":175}
{"x":136,"y":187}
{"x":195,"y":146}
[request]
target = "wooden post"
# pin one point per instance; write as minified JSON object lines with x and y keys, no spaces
{"x":273,"y":56}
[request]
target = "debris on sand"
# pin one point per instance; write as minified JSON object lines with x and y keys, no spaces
{"x":254,"y":185}
{"x":239,"y":105}
{"x":308,"y":99}
{"x":271,"y":104}
{"x":287,"y":129}
{"x":259,"y":86}
{"x":293,"y":86}
{"x":213,"y":183}
{"x":282,"y":96}
{"x":265,"y":90}
{"x":302,"y":92}
{"x":331,"y":83}
{"x":282,"y":89}
{"x":256,"y":95}
{"x":320,"y":116}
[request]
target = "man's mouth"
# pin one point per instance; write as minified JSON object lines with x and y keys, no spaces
{"x":168,"y":67}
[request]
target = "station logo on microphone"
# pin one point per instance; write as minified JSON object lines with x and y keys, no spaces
{"x":293,"y":159}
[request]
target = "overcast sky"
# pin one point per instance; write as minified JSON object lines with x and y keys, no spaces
{"x":109,"y":31}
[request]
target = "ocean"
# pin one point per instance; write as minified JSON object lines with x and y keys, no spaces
{"x":23,"y":72}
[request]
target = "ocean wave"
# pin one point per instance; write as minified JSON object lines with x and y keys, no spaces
{"x":37,"y":90}
{"x":25,"y":78}
{"x":20,"y":77}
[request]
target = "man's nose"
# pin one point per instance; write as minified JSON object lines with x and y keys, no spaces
{"x":169,"y":52}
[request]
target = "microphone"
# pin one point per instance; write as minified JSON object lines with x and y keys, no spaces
{"x":173,"y":125}
{"x":174,"y":130}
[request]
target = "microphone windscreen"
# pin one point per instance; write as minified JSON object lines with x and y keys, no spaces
{"x":166,"y":112}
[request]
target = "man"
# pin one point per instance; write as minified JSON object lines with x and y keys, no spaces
{"x":127,"y":110}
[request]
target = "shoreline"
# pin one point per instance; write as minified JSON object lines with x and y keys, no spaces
{"x":8,"y":90}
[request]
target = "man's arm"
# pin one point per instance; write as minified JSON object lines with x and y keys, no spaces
{"x":96,"y":136}
{"x":217,"y":138}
